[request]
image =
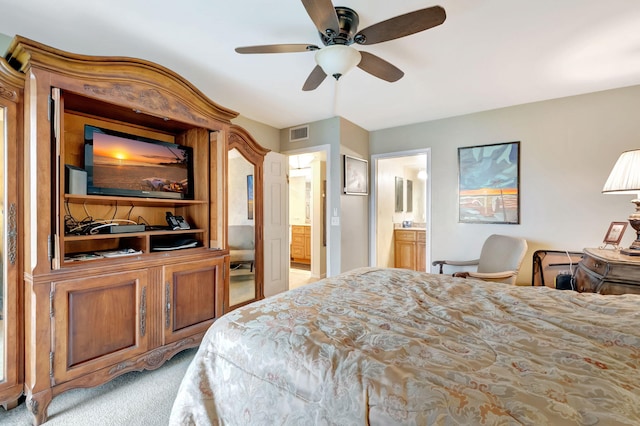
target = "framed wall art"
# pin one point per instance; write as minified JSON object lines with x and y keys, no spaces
{"x":489,"y":183}
{"x":356,"y":176}
{"x":250,"y":197}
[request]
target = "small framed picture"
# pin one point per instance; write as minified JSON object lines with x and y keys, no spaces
{"x":356,"y":176}
{"x":615,"y":233}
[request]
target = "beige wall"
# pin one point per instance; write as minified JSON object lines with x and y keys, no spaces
{"x":568,"y":147}
{"x":267,"y":136}
{"x":354,"y":219}
{"x":4,"y":43}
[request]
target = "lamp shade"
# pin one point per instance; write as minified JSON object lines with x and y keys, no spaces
{"x":336,"y":60}
{"x":625,"y":175}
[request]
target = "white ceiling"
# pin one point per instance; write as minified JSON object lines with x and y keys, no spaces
{"x":488,"y":53}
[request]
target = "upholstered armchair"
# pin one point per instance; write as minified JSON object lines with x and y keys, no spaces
{"x":242,"y":244}
{"x":500,"y":259}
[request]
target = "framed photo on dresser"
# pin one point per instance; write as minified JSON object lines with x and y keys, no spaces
{"x":615,"y":233}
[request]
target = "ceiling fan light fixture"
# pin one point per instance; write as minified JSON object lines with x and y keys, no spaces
{"x":336,"y":60}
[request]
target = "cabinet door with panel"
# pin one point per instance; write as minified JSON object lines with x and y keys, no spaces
{"x":11,"y":338}
{"x":193,"y":297}
{"x":297,"y":245}
{"x":410,"y":249}
{"x":405,"y":249}
{"x":301,"y":243}
{"x":99,"y":323}
{"x":421,"y":251}
{"x":307,"y":243}
{"x":405,"y":255}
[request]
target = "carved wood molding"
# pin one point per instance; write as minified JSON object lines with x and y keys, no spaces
{"x":33,"y":406}
{"x":11,"y":82}
{"x":7,"y":93}
{"x":25,"y":54}
{"x":12,"y":234}
{"x":154,"y":359}
{"x":150,"y":99}
{"x":242,"y":140}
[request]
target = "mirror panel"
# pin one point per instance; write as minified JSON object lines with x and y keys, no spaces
{"x":241,"y":233}
{"x":11,"y":339}
{"x":245,"y":218}
{"x":3,"y":275}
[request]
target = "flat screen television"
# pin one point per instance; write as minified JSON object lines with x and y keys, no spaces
{"x":133,"y":166}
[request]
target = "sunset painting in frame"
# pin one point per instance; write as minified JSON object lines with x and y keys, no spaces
{"x":489,"y":183}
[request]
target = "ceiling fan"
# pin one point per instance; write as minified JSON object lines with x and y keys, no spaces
{"x":338,"y":27}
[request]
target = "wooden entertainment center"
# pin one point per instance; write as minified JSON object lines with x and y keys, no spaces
{"x":88,"y":321}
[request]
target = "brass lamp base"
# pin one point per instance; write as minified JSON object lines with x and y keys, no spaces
{"x":630,"y":252}
{"x":634,"y":221}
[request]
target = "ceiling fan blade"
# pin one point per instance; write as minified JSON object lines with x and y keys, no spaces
{"x":277,"y":48}
{"x":378,"y":67}
{"x":316,"y":77}
{"x":323,"y":15}
{"x":402,"y":25}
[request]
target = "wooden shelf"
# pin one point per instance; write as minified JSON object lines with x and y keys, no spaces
{"x":131,"y":234}
{"x":135,"y":201}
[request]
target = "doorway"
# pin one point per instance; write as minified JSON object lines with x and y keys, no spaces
{"x":307,"y":217}
{"x":401,"y":197}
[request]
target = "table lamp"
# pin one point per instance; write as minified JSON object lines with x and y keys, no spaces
{"x":625,"y":179}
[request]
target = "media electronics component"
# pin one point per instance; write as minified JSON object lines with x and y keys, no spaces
{"x":75,"y":179}
{"x":128,"y":165}
{"x":176,"y":222}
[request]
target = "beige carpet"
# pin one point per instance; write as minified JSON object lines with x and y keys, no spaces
{"x":135,"y":398}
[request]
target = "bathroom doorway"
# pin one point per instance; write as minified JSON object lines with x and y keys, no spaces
{"x":401,"y":197}
{"x":307,"y":217}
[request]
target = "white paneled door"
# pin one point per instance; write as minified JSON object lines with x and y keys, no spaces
{"x":276,"y":224}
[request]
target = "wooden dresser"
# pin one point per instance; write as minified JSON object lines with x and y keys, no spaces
{"x":410,"y":248}
{"x":608,"y":272}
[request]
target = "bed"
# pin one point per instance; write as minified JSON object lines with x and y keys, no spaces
{"x":392,"y":346}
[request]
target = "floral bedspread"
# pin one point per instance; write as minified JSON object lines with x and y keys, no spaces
{"x":391,"y":346}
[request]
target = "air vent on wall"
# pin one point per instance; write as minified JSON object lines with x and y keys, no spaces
{"x":298,"y":133}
